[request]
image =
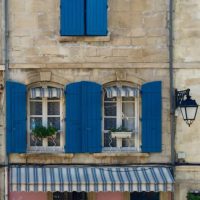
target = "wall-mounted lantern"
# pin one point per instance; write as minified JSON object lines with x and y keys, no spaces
{"x":187,"y":105}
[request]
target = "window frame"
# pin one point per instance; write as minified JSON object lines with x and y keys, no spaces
{"x":119,"y":118}
{"x":44,"y":117}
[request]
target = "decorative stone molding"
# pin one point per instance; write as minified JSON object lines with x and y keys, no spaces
{"x":45,"y":76}
{"x":121,"y":75}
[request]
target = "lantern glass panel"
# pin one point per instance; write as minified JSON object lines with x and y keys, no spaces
{"x":188,"y":112}
{"x":191,"y":112}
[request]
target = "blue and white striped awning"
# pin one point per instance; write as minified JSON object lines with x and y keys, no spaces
{"x":88,"y":179}
{"x":121,"y":91}
{"x":49,"y":92}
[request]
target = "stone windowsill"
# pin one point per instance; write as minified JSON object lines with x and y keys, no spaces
{"x":2,"y":67}
{"x":84,"y":38}
{"x":120,"y":154}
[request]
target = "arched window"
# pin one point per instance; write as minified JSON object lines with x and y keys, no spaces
{"x":121,"y":116}
{"x":45,"y":118}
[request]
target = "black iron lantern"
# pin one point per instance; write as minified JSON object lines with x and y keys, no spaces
{"x":187,"y":106}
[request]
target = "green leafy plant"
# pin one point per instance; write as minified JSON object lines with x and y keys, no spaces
{"x":43,"y":132}
{"x":119,"y":129}
{"x":192,"y":196}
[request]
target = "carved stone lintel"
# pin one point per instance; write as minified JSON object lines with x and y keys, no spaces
{"x":121,"y":75}
{"x":45,"y":76}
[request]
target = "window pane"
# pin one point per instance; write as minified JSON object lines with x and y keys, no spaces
{"x":145,"y":195}
{"x":54,"y":140}
{"x":109,"y":141}
{"x":109,"y":123}
{"x":128,"y":110}
{"x":110,"y":109}
{"x":109,"y":99}
{"x":53,"y":108}
{"x":54,"y":121}
{"x":128,"y":124}
{"x":129,"y":142}
{"x":60,"y":196}
{"x":35,"y":108}
{"x":35,"y":121}
{"x":128,"y":98}
{"x":53,"y":98}
{"x":35,"y":141}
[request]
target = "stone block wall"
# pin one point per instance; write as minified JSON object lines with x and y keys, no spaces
{"x":1,"y":32}
{"x":187,"y":71}
{"x":136,"y":48}
{"x":138,"y":34}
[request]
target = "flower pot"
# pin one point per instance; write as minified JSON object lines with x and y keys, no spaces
{"x":119,"y":136}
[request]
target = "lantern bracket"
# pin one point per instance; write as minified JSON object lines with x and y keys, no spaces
{"x":181,"y":95}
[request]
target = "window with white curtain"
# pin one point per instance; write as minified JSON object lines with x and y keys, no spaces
{"x":121,"y":117}
{"x":45,"y":108}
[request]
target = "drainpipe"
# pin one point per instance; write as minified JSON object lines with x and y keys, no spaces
{"x":6,"y":76}
{"x":172,"y":93}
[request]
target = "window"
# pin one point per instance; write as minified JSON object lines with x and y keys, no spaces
{"x":83,"y":17}
{"x":69,"y":196}
{"x":45,"y":109}
{"x":84,"y":132}
{"x":145,"y":195}
{"x":121,"y":117}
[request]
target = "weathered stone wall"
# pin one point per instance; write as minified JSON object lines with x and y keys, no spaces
{"x":187,"y":180}
{"x":137,"y":47}
{"x":138,"y":35}
{"x":187,"y":73}
{"x":187,"y":33}
{"x":65,"y":76}
{"x":1,"y":32}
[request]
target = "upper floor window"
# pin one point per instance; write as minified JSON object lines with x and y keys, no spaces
{"x":45,"y":110}
{"x":121,"y":117}
{"x":83,"y":17}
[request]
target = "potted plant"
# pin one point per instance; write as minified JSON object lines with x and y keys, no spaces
{"x":192,"y":196}
{"x":120,"y":133}
{"x":41,"y":132}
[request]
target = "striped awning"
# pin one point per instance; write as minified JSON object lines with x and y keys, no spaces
{"x":121,"y":91}
{"x":49,"y":92}
{"x":88,"y":179}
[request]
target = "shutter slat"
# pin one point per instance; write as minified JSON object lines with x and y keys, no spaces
{"x":72,"y":17}
{"x":73,"y":137}
{"x":16,"y":117}
{"x":96,"y":17}
{"x":152,"y":117}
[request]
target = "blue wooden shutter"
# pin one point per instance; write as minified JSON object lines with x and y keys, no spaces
{"x":83,"y":117}
{"x":73,"y":136}
{"x":152,"y":117}
{"x":15,"y":117}
{"x":96,"y":17}
{"x":72,"y":17}
{"x":91,"y":117}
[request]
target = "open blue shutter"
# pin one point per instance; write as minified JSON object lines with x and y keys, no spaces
{"x":91,"y":117}
{"x":73,"y":137}
{"x":152,"y":117}
{"x":15,"y":117}
{"x":72,"y":17}
{"x":96,"y":17}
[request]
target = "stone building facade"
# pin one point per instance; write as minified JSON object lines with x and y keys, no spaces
{"x":2,"y":109}
{"x":186,"y":55}
{"x":135,"y":51}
